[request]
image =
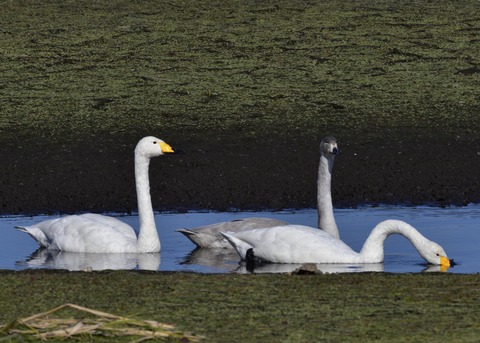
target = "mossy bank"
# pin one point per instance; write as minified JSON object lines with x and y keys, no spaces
{"x":265,"y":308}
{"x":83,"y":67}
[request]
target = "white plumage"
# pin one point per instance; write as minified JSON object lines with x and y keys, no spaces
{"x":303,"y":244}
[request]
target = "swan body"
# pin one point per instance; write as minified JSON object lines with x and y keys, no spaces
{"x":209,"y":236}
{"x":303,"y":244}
{"x":94,"y":233}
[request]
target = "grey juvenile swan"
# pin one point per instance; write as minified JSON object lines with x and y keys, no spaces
{"x":209,"y":236}
{"x":94,"y":233}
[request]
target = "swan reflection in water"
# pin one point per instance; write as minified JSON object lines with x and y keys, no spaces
{"x":225,"y":260}
{"x":309,"y":268}
{"x":73,"y":261}
{"x":321,"y":268}
{"x":222,"y":260}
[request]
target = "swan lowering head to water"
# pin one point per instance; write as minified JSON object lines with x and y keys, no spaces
{"x":94,"y":233}
{"x":302,"y":244}
{"x":209,"y":236}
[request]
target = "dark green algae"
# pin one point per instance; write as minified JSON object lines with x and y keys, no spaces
{"x":83,"y":67}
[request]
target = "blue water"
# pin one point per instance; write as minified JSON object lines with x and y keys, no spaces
{"x":454,"y":228}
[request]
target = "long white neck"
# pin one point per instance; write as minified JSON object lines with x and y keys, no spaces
{"x":148,"y":240}
{"x":326,"y":219}
{"x":373,"y":251}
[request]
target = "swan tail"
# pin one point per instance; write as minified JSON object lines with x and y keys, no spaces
{"x":36,"y":234}
{"x":21,"y":228}
{"x":193,"y":236}
{"x":243,"y":249}
{"x":188,"y":233}
{"x":204,"y":239}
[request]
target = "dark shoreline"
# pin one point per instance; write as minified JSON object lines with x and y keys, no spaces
{"x":231,"y":171}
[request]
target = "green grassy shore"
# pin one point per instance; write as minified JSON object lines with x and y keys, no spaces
{"x":90,"y":67}
{"x":265,"y":308}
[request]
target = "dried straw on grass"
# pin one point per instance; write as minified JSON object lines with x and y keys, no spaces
{"x":44,"y":326}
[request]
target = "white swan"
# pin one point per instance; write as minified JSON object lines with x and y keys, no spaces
{"x":209,"y":236}
{"x":302,"y":244}
{"x":94,"y":233}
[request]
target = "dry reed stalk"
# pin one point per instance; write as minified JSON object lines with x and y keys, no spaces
{"x":42,"y":326}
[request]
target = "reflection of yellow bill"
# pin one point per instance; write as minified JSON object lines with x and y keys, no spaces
{"x":444,"y":268}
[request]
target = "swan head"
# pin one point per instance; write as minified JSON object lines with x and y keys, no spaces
{"x":151,"y":146}
{"x":435,"y":254}
{"x":329,"y":147}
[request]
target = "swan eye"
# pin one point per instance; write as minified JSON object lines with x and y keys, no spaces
{"x":154,"y":142}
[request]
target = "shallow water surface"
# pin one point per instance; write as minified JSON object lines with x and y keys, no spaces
{"x":455,"y":228}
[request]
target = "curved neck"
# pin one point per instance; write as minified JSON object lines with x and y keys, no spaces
{"x":326,"y":219}
{"x":373,"y":252}
{"x":148,"y":240}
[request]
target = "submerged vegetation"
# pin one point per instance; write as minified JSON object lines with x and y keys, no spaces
{"x":88,"y":66}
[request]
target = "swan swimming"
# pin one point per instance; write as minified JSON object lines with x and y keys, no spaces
{"x":95,"y":233}
{"x":209,"y":236}
{"x":303,"y":244}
